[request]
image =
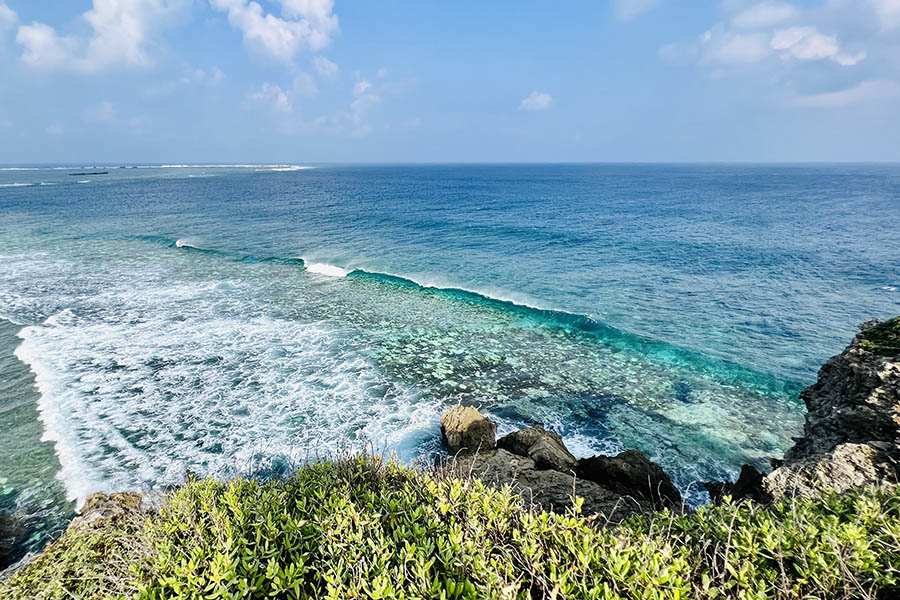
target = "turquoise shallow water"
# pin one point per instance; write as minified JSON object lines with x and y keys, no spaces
{"x":167,"y":321}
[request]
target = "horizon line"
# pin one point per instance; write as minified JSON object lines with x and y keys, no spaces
{"x":190,"y":164}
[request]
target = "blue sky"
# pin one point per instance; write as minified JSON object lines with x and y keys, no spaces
{"x":427,"y":80}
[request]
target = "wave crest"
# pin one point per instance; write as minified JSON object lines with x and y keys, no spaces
{"x":326,"y":269}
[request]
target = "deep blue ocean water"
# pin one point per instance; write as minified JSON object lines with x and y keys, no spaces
{"x":165,"y":321}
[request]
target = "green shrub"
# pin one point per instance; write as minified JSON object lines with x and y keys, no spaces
{"x":884,"y":338}
{"x":367,"y":528}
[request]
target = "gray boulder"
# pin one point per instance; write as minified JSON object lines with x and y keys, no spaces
{"x":550,"y":489}
{"x":633,"y":474}
{"x":544,"y":447}
{"x":539,"y":467}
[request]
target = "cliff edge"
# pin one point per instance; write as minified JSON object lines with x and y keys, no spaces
{"x":852,"y":429}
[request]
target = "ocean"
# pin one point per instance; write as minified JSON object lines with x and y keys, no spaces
{"x":162,"y":322}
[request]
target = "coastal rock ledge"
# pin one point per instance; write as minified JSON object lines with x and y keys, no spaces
{"x":97,"y":509}
{"x":852,"y":430}
{"x":537,"y":464}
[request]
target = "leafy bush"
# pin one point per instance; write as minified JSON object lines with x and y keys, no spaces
{"x":884,"y":338}
{"x":367,"y":528}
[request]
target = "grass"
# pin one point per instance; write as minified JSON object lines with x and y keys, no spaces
{"x":369,"y":528}
{"x":883,"y":339}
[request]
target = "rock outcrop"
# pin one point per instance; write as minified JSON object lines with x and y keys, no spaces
{"x":633,"y":474}
{"x":12,"y":530}
{"x":538,"y":465}
{"x":852,"y":429}
{"x":545,"y":448}
{"x":97,"y":509}
{"x":465,"y":430}
{"x":101,"y":507}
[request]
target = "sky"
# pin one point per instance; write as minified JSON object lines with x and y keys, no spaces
{"x":333,"y":81}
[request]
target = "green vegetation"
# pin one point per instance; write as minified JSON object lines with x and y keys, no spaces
{"x":368,"y":528}
{"x":884,"y":338}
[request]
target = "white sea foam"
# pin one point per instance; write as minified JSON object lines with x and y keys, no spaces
{"x":14,"y":185}
{"x":172,"y":166}
{"x":326,"y":269}
{"x":84,"y":181}
{"x":186,"y":243}
{"x":258,"y":167}
{"x":7,"y":317}
{"x":135,"y":399}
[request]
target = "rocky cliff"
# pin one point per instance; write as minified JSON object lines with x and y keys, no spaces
{"x":852,"y":430}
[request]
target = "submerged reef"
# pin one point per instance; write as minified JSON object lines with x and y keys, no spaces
{"x":519,"y":518}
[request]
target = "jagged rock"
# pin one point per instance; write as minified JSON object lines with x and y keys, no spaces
{"x":101,"y":507}
{"x":552,"y":490}
{"x":11,"y":530}
{"x":538,"y":465}
{"x":852,"y":428}
{"x":856,"y":398}
{"x":844,"y":467}
{"x":633,"y":474}
{"x":748,"y":485}
{"x":98,"y":508}
{"x":464,"y":429}
{"x":544,"y":447}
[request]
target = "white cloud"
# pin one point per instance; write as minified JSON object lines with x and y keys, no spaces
{"x":324,"y":68}
{"x":123,"y":31}
{"x":272,"y":96}
{"x":307,"y":24}
{"x":755,"y":32}
{"x":104,"y":112}
{"x":54,"y":129}
{"x":806,"y":43}
{"x":317,"y":11}
{"x":536,"y":101}
{"x":191,"y":76}
{"x":365,"y":99}
{"x":382,"y":73}
{"x":863,"y":92}
{"x":765,"y":15}
{"x":7,"y":17}
{"x":198,"y":76}
{"x":43,"y":48}
{"x":305,"y":85}
{"x":361,"y":87}
{"x":353,"y":120}
{"x":722,"y":46}
{"x":678,"y":53}
{"x":888,"y":12}
{"x":279,"y":100}
{"x":627,"y":10}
